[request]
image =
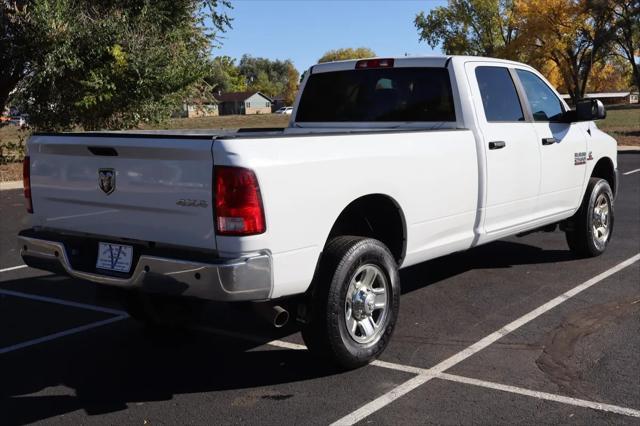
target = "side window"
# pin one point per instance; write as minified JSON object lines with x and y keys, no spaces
{"x":544,"y":104}
{"x":499,"y":96}
{"x":248,"y":104}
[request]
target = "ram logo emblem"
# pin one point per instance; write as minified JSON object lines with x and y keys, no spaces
{"x":107,"y":180}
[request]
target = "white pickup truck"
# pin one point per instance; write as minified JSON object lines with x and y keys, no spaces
{"x":386,"y":163}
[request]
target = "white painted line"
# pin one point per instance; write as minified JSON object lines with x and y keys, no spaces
{"x":632,"y":171}
{"x":287,"y":345}
{"x":62,"y":302}
{"x":408,"y":386}
{"x":542,"y":395}
{"x":299,"y":347}
{"x":15,"y":184}
{"x":13,"y":268}
{"x":62,"y":334}
{"x":424,"y":375}
{"x":400,"y":367}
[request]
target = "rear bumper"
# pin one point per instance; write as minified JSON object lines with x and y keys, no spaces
{"x":248,"y":278}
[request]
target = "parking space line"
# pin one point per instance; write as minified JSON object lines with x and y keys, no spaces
{"x":60,"y":334}
{"x":13,"y":268}
{"x":631,"y":171}
{"x":423,"y":375}
{"x":62,"y":302}
{"x":541,"y":395}
{"x":406,"y":387}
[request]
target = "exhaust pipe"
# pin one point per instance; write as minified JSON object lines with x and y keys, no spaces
{"x":274,"y":314}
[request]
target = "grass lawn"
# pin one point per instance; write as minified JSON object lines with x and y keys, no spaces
{"x":623,"y":123}
{"x":225,"y":122}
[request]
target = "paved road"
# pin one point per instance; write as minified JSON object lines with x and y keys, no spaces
{"x":68,"y":357}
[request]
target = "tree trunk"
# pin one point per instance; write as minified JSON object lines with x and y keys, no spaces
{"x":8,"y":82}
{"x":636,"y":75}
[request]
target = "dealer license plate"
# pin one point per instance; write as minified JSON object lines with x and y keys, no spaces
{"x":114,"y":257}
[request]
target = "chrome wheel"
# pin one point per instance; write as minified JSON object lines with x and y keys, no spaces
{"x":601,"y":221}
{"x":366,"y":304}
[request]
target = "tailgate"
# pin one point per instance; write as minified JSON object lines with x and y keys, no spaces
{"x":142,"y":187}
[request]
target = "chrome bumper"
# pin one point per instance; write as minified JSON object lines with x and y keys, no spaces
{"x":243,"y":279}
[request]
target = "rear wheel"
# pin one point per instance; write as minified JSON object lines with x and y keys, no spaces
{"x":355,"y":302}
{"x":592,"y":225}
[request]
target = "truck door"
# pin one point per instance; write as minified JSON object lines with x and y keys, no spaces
{"x":563,"y":148}
{"x":511,"y":148}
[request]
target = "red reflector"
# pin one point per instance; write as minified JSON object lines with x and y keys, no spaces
{"x":374,"y":63}
{"x":238,"y":202}
{"x":26,"y":181}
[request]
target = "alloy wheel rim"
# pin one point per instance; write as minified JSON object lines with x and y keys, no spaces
{"x":601,"y":221}
{"x":366,"y":304}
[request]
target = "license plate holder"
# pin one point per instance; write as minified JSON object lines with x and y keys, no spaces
{"x":114,"y":257}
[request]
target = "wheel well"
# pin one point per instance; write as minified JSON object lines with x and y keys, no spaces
{"x":604,"y":169}
{"x":374,"y":216}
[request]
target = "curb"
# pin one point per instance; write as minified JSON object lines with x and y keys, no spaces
{"x":625,"y":148}
{"x":16,"y":184}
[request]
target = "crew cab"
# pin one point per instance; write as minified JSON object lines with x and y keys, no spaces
{"x":386,"y":163}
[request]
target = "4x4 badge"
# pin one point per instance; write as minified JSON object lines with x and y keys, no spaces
{"x":107,"y":180}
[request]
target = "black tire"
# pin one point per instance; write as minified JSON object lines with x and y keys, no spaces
{"x":161,"y":312}
{"x":325,"y":332}
{"x":582,"y":239}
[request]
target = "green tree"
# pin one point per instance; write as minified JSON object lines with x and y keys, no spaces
{"x":108,"y":64}
{"x":469,"y":27}
{"x":224,"y":75}
{"x":346,"y":54}
{"x":626,"y":33}
{"x":271,"y":77}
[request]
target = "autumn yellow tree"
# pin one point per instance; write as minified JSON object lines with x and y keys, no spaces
{"x":572,"y":34}
{"x":613,"y":74}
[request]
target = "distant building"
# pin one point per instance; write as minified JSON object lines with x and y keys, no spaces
{"x":277,"y":102}
{"x":244,"y":103}
{"x":610,"y":98}
{"x":198,"y":108}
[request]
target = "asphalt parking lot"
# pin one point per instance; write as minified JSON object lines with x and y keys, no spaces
{"x":515,"y":332}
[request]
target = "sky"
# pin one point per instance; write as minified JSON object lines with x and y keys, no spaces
{"x":303,"y":30}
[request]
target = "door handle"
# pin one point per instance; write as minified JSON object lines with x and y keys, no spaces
{"x":497,"y":145}
{"x":549,"y":141}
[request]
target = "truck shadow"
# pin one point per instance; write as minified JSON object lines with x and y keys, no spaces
{"x":495,"y":255}
{"x":109,"y":368}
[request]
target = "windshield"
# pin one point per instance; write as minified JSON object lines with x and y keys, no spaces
{"x":386,"y":94}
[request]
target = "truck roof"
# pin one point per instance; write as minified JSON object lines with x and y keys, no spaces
{"x":409,"y":61}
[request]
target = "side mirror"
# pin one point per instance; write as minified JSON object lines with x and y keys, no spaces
{"x":590,"y":109}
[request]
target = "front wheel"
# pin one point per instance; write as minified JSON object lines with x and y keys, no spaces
{"x":591,"y":227}
{"x":355,"y":302}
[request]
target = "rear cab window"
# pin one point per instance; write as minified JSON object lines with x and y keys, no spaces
{"x":499,"y":96}
{"x":420,"y":94}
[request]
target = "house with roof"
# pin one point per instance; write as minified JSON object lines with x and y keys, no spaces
{"x":244,"y":103}
{"x":609,"y":98}
{"x":198,"y":108}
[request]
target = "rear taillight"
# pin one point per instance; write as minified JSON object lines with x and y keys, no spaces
{"x":374,"y":63}
{"x":26,"y":180}
{"x":238,"y":205}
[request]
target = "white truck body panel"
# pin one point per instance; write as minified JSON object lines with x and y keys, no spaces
{"x":307,"y":181}
{"x":152,"y":174}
